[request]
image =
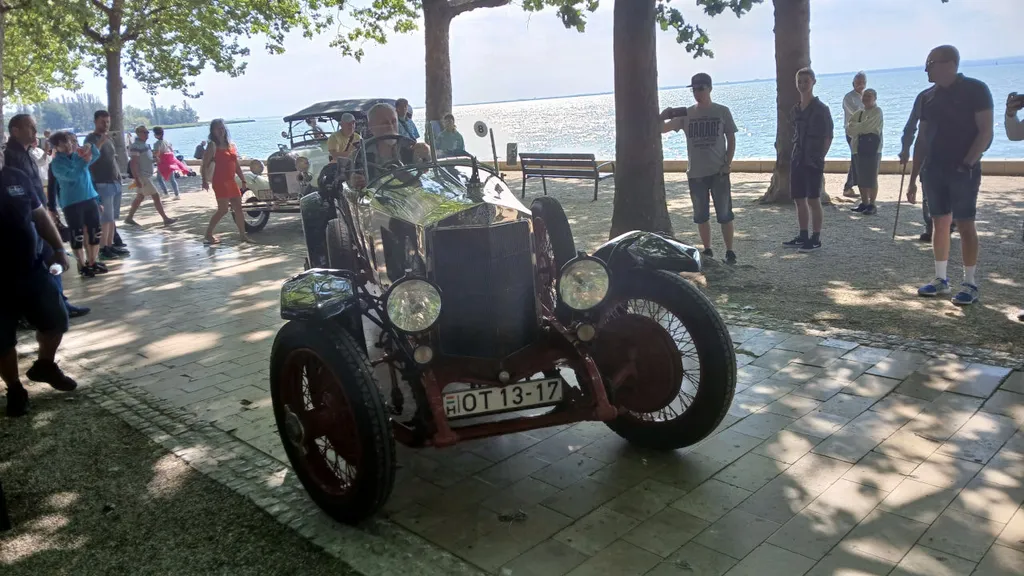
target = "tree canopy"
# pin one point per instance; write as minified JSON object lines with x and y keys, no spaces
{"x":35,"y":59}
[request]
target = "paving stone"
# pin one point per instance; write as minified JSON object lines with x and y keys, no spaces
{"x":1001,"y":561}
{"x":559,"y":446}
{"x":887,"y":536}
{"x":507,"y":540}
{"x":871,"y":386}
{"x":688,"y":471}
{"x":847,"y":405}
{"x":900,"y":407}
{"x":466,"y":493}
{"x":987,"y":500}
{"x":845,"y":370}
{"x":775,"y":359}
{"x":619,"y":559}
{"x":751,"y":472}
{"x":820,"y":389}
{"x":511,"y":470}
{"x":840,"y":344}
{"x":596,"y":530}
{"x":645,"y":499}
{"x":692,"y":560}
{"x":727,"y":446}
{"x":568,"y":470}
{"x":924,"y":386}
{"x":1006,"y":403}
{"x":1013,"y":535}
{"x":867,"y":354}
{"x":768,"y":560}
{"x":761,"y":425}
{"x":857,"y":438}
{"x":948,"y":368}
{"x":666,"y":532}
{"x":753,"y":374}
{"x":800,"y":343}
{"x":764,"y":342}
{"x":1014,"y":382}
{"x":944,"y":416}
{"x":945,"y":471}
{"x":922,"y":561}
{"x":711,"y":500}
{"x":1006,"y":468}
{"x":792,"y":406}
{"x":907,"y":445}
{"x":819,"y":356}
{"x":918,"y":501}
{"x":625,"y":473}
{"x":851,"y":562}
{"x":893,"y":368}
{"x":741,"y":334}
{"x":499,"y":448}
{"x":980,"y":380}
{"x":794,"y":489}
{"x":795,"y":374}
{"x":980,"y":438}
{"x":744,"y":359}
{"x":819,"y":424}
{"x":962,"y":535}
{"x":787,"y":446}
{"x":737,"y":533}
{"x":522,"y":494}
{"x":549,"y":558}
{"x":582,"y":498}
{"x":880,"y":471}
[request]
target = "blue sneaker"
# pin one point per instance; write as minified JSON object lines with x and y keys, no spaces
{"x":934,"y":288}
{"x":967,"y":295}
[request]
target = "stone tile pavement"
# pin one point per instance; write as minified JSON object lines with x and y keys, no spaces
{"x":838,"y":456}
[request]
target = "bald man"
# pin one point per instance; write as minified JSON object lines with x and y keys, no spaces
{"x":956,"y":129}
{"x":382,"y":120}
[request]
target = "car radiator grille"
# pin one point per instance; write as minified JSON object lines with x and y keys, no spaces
{"x":486,"y":279}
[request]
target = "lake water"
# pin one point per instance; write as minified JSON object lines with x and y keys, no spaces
{"x":587,"y":123}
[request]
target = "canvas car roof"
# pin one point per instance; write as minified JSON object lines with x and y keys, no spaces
{"x":335,"y":108}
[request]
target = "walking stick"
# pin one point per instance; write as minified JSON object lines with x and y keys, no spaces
{"x":898,"y":202}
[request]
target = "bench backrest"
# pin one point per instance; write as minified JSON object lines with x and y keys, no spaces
{"x":554,"y":162}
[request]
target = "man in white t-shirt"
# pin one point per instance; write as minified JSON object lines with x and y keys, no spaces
{"x":852,"y":103}
{"x":144,"y":172}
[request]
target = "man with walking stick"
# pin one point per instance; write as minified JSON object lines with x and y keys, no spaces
{"x":956,"y":129}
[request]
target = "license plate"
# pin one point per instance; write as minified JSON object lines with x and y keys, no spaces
{"x":503,"y":399}
{"x":264,"y":195}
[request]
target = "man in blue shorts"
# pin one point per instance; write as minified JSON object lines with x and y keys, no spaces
{"x":812,"y":137}
{"x":956,"y":129}
{"x":106,"y":178}
{"x":27,"y":290}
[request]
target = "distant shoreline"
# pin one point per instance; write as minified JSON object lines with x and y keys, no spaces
{"x":194,"y":124}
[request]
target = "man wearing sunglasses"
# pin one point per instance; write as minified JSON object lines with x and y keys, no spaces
{"x":710,"y":146}
{"x":956,"y":129}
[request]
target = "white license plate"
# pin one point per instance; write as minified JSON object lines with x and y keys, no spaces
{"x":264,"y":195}
{"x":502,"y":399}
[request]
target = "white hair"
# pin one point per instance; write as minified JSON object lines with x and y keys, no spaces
{"x":381,"y":106}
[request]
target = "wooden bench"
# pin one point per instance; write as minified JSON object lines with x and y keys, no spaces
{"x":579,"y":166}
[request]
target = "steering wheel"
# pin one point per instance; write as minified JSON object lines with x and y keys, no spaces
{"x":403,"y":176}
{"x":313,"y":135}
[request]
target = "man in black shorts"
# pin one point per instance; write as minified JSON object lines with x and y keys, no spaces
{"x":812,"y":137}
{"x":956,"y":129}
{"x":27,"y":290}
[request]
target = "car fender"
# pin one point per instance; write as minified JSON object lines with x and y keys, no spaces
{"x":253,"y":182}
{"x":639,"y":249}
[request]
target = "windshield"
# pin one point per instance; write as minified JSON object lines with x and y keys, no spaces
{"x":304,"y":134}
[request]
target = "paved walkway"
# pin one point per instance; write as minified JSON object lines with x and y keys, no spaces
{"x":836,"y":458}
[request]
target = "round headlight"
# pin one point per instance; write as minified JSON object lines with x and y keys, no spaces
{"x":302,"y":164}
{"x":413,"y":305}
{"x":256,"y":167}
{"x":583,"y":284}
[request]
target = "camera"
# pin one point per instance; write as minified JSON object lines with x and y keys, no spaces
{"x":676,"y":113}
{"x":1017,"y":99}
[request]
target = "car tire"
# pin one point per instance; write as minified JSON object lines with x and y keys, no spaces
{"x":713,"y":348}
{"x":255,"y":220}
{"x":560,"y":234}
{"x":361,"y":435}
{"x":341,"y":254}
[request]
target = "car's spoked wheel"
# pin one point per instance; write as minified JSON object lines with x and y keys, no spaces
{"x":668,"y":360}
{"x":332,"y":420}
{"x":255,"y":220}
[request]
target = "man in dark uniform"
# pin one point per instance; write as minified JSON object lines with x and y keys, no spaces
{"x":956,"y":129}
{"x":23,"y":133}
{"x":28,"y":290}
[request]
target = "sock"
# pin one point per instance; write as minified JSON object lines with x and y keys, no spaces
{"x":803,"y":235}
{"x":816,"y":237}
{"x":940,"y":269}
{"x":969,"y":275}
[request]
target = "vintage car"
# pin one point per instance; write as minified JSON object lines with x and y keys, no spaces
{"x":293,"y":171}
{"x":440,"y":309}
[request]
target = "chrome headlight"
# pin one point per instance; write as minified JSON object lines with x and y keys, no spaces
{"x":302,"y":164}
{"x":256,"y":167}
{"x":413,"y":305}
{"x":583,"y":283}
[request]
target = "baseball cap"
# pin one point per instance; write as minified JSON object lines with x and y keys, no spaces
{"x":346,"y":117}
{"x":700,"y":79}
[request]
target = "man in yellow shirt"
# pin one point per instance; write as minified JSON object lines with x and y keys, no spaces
{"x":342,"y":143}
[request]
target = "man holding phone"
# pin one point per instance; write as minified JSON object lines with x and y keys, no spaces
{"x":1015,"y":132}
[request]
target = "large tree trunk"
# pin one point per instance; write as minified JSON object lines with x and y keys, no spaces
{"x":3,"y":47}
{"x":792,"y":52}
{"x":115,"y":90}
{"x":639,"y":171}
{"x":437,"y":20}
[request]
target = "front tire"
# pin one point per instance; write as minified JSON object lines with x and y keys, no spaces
{"x":701,"y":344}
{"x":341,"y":254}
{"x":255,"y":220}
{"x":332,"y":420}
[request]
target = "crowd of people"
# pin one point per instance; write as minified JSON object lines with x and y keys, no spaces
{"x":954,"y":119}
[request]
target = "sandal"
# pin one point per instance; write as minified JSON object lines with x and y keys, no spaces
{"x":210,"y":241}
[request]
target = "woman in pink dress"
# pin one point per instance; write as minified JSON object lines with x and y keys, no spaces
{"x":222,"y":153}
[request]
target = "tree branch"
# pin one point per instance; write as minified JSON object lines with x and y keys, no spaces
{"x":101,"y":6}
{"x":459,"y":6}
{"x":93,"y":35}
{"x":132,"y":31}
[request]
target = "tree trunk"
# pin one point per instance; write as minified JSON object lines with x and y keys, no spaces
{"x":792,"y":52}
{"x":437,"y":20}
{"x":639,"y":171}
{"x":3,"y":48}
{"x":115,"y":90}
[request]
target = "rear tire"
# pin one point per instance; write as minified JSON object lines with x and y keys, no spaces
{"x":713,"y":349}
{"x":341,"y":254}
{"x":356,"y":442}
{"x":559,"y":233}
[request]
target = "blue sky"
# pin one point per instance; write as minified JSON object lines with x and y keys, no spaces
{"x":505,"y":54}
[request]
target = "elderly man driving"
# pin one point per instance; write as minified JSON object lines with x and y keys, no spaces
{"x":382,"y":120}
